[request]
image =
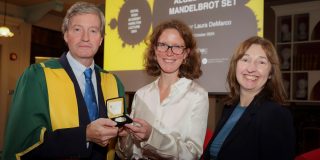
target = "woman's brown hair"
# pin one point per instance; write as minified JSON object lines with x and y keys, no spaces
{"x":273,"y":85}
{"x":190,"y":68}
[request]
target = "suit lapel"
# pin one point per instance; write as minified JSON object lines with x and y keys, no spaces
{"x":240,"y":125}
{"x":225,"y":115}
{"x":102,"y":106}
{"x":227,"y":112}
{"x":245,"y":119}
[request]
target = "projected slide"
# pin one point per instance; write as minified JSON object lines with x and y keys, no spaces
{"x":219,"y":26}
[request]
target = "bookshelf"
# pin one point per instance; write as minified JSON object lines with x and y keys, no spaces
{"x":297,"y":30}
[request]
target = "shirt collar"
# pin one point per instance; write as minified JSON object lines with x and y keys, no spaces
{"x":178,"y":87}
{"x":76,"y":66}
{"x":179,"y":84}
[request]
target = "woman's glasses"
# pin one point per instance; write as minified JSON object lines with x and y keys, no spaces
{"x":177,"y":50}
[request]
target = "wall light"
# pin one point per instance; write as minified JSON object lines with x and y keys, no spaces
{"x":4,"y":30}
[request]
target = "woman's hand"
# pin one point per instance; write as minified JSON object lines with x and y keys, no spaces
{"x":140,"y":129}
{"x":123,"y":132}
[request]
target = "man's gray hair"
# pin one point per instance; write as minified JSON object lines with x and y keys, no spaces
{"x":83,"y":8}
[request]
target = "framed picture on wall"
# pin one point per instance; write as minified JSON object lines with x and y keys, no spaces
{"x":301,"y":28}
{"x":301,"y":86}
{"x":285,"y":29}
{"x":284,"y":52}
{"x":286,"y":83}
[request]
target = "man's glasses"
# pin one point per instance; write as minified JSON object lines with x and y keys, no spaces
{"x":162,"y":47}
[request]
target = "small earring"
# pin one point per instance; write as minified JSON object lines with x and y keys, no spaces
{"x":184,"y":61}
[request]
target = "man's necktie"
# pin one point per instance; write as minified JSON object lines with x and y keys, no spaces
{"x":89,"y":96}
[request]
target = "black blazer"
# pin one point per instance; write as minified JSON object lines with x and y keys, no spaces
{"x":264,"y":132}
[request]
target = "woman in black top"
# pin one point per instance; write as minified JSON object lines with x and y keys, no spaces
{"x":264,"y":129}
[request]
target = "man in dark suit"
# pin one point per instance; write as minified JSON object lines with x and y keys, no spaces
{"x":58,"y":109}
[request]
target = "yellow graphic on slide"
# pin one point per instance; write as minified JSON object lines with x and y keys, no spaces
{"x":257,"y":7}
{"x":128,"y":23}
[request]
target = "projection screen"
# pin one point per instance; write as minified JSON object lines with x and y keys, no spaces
{"x":219,"y":26}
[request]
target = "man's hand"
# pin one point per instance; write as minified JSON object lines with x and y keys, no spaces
{"x":101,"y":131}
